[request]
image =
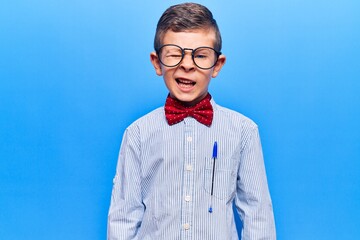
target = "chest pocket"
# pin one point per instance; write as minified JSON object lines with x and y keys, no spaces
{"x":224,"y":179}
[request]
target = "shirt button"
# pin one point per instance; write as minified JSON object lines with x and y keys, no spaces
{"x":189,"y":139}
{"x":189,"y":167}
{"x":187,"y":198}
{"x":186,"y":226}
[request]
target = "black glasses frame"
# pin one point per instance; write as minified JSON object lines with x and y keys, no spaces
{"x":183,"y":55}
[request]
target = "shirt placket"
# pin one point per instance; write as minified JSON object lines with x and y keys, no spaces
{"x":188,"y":179}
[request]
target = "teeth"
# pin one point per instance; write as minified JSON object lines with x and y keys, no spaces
{"x":184,"y":81}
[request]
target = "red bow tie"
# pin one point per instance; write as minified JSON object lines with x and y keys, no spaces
{"x":175,"y":112}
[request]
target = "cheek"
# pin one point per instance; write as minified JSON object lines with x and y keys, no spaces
{"x":168,"y":77}
{"x":168,"y":72}
{"x":208,"y":75}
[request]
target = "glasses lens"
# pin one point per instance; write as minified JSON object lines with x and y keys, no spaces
{"x":205,"y":57}
{"x":170,"y":55}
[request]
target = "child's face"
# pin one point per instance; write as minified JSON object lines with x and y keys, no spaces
{"x":186,"y":82}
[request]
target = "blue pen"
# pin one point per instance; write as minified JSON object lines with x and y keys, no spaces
{"x":214,"y":156}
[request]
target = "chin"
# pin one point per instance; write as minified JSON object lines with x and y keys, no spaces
{"x":184,"y":98}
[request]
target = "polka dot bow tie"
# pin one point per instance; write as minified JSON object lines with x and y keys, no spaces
{"x":175,"y":112}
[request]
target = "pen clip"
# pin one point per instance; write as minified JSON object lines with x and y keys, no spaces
{"x":215,"y":150}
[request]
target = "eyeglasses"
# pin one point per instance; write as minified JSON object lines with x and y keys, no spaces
{"x":171,"y":55}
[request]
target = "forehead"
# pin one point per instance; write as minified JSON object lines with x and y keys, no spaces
{"x":190,"y":39}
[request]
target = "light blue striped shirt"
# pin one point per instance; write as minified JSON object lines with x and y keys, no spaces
{"x":162,"y":186}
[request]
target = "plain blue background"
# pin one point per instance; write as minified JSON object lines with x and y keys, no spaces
{"x":71,"y":73}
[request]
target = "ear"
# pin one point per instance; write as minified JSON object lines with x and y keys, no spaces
{"x":219,"y":64}
{"x":156,"y":63}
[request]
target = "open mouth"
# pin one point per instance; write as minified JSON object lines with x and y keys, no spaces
{"x":185,"y":82}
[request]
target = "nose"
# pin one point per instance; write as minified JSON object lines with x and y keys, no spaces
{"x":187,"y":62}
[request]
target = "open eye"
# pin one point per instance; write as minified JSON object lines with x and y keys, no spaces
{"x":203,"y":53}
{"x":200,"y":56}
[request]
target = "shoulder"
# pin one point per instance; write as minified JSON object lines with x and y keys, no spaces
{"x":235,"y":125}
{"x":233,"y":118}
{"x":151,"y":120}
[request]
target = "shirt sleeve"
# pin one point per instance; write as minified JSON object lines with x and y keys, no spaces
{"x":253,"y":201}
{"x":126,"y":207}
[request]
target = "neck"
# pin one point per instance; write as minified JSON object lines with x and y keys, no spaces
{"x":194,"y":102}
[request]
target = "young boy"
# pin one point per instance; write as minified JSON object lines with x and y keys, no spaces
{"x":181,"y":167}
